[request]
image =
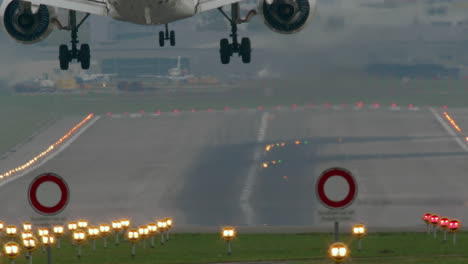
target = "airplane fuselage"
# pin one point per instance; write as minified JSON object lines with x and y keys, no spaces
{"x":151,"y":12}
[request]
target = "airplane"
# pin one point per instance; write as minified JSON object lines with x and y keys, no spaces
{"x":31,"y":21}
{"x":173,"y":74}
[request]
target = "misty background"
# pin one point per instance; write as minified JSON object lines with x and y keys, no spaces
{"x":345,"y":36}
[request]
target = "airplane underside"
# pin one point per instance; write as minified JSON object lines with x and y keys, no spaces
{"x":28,"y":22}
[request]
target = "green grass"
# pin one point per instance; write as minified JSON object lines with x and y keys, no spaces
{"x":301,"y":248}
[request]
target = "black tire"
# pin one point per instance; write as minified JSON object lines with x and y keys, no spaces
{"x":85,"y":56}
{"x":64,"y":57}
{"x":172,"y":37}
{"x":161,"y":39}
{"x":224,"y":51}
{"x":245,"y":50}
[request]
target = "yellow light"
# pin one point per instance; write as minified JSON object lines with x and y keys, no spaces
{"x":338,"y":251}
{"x":104,"y":229}
{"x":116,"y":225}
{"x":72,"y":226}
{"x":58,"y":230}
{"x":265,"y":165}
{"x":43,"y":231}
{"x":228,"y":233}
{"x":125,"y":223}
{"x":82,"y":223}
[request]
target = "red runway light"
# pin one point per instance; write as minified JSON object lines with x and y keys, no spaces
{"x":226,"y":108}
{"x":294,"y":106}
{"x":445,"y":107}
{"x":193,"y":110}
{"x":360,"y":104}
{"x":176,"y":110}
{"x":260,"y":108}
{"x":108,"y":114}
{"x":410,"y":106}
{"x":427,"y":218}
{"x":376,"y":105}
{"x":278,"y":107}
{"x":159,"y":112}
{"x":209,"y":110}
{"x":142,"y":111}
{"x":434,"y":220}
{"x":327,"y":105}
{"x":311,"y":106}
{"x":394,"y":105}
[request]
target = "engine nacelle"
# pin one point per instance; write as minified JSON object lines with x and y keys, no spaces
{"x":287,"y":16}
{"x":25,"y":23}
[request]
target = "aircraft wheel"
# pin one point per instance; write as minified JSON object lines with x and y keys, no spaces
{"x":225,"y":51}
{"x":64,"y":57}
{"x":172,"y":37}
{"x":245,"y":50}
{"x":85,"y":56}
{"x":161,"y":39}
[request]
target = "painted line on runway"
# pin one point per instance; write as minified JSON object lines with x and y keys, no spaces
{"x":246,"y":194}
{"x":53,"y":154}
{"x":449,"y":130}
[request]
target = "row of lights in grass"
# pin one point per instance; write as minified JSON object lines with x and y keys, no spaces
{"x":80,"y":232}
{"x":443,"y":223}
{"x":337,"y":251}
{"x":47,"y":151}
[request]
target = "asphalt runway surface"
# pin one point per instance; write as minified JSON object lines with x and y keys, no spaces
{"x":205,"y":169}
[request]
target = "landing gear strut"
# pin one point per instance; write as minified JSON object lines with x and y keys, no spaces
{"x":226,"y":49}
{"x":166,"y":35}
{"x":82,"y":55}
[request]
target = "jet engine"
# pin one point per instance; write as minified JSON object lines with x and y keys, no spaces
{"x":287,"y":16}
{"x":25,"y":23}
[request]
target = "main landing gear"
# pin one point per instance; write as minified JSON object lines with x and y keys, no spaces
{"x":243,"y":49}
{"x":82,"y":55}
{"x":166,"y":35}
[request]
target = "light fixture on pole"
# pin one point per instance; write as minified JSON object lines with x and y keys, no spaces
{"x":48,"y":241}
{"x":143,"y":231}
{"x":30,"y":244}
{"x":228,"y":233}
{"x":93,"y":234}
{"x":117,"y":227}
{"x":58,"y":231}
{"x":153,"y":230}
{"x":105,"y":230}
{"x":162,"y":227}
{"x":359,"y":231}
{"x":132,"y":237}
{"x":79,"y":238}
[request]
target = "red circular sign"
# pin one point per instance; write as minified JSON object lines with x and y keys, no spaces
{"x":326,"y":175}
{"x":32,"y":194}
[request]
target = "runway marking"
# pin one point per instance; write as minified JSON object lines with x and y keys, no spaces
{"x":449,"y":130}
{"x":52,"y":155}
{"x":246,"y":193}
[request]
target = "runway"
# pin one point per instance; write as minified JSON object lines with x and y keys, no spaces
{"x":205,"y":169}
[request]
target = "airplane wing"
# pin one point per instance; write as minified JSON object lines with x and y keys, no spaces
{"x":205,"y":5}
{"x":94,"y":7}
